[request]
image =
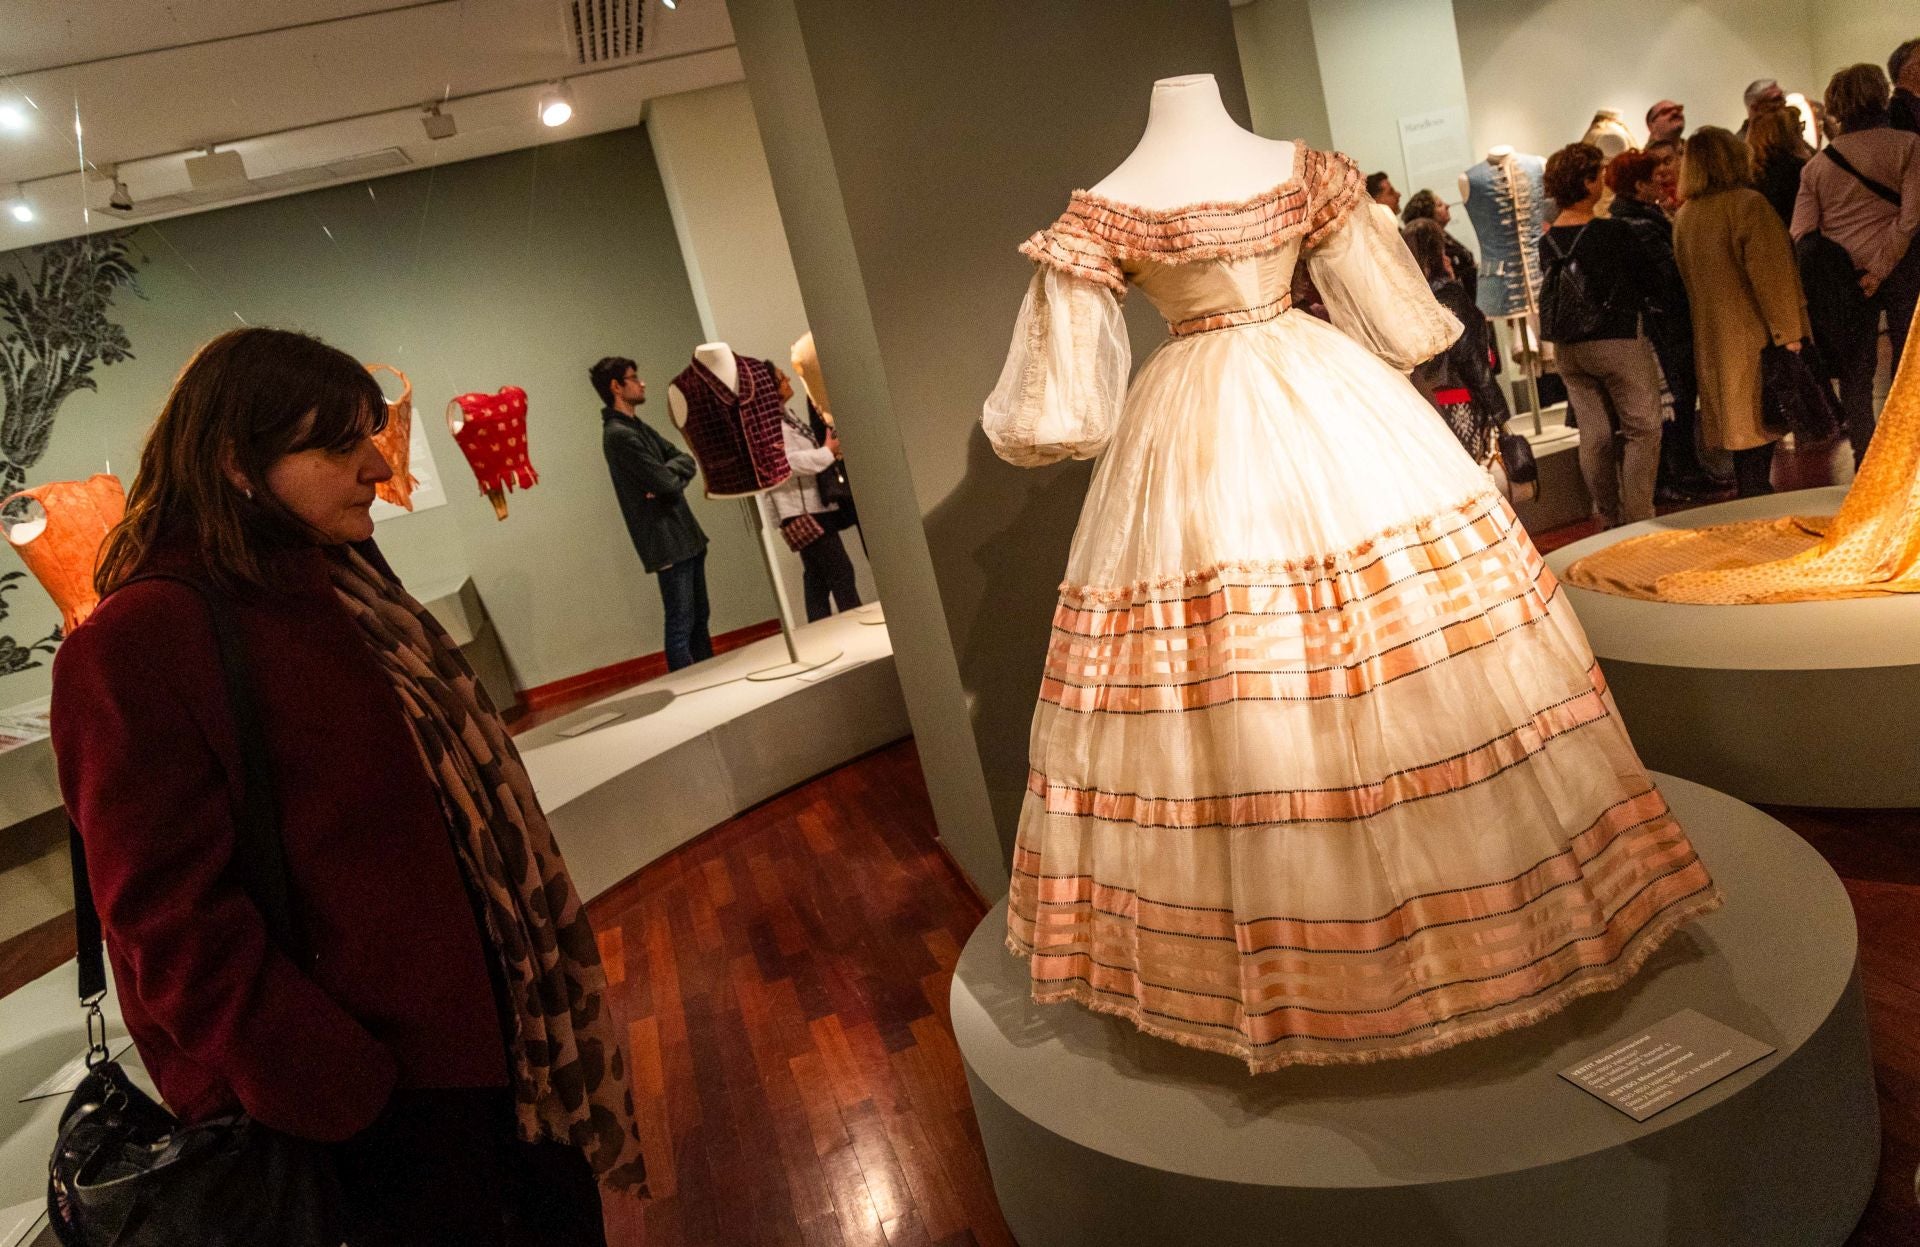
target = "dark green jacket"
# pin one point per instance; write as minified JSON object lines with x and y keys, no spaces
{"x":650,"y":477}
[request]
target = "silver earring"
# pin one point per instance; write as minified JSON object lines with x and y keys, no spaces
{"x":248,"y":493}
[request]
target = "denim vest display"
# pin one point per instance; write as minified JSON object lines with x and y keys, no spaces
{"x":1507,"y":204}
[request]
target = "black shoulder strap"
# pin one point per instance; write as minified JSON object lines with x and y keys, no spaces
{"x":1566,"y":256}
{"x":1881,"y":189}
{"x":258,"y":850}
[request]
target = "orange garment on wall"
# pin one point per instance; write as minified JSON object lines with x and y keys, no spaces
{"x":1871,"y":546}
{"x":63,"y":551}
{"x":396,"y":443}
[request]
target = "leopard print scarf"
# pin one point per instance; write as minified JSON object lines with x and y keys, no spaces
{"x":568,"y":1068}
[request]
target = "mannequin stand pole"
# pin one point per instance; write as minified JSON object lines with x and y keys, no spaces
{"x":796,"y":663}
{"x":1526,"y":354}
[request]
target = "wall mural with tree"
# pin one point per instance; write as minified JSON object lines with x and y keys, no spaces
{"x":54,"y":328}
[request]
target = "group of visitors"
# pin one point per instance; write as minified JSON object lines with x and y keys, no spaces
{"x":1671,"y":267}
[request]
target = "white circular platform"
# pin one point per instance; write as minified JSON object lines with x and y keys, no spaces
{"x":1097,"y":1134}
{"x":1793,"y":703}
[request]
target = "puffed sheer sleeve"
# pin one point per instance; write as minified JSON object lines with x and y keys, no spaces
{"x":1373,"y":290}
{"x":1065,"y":378}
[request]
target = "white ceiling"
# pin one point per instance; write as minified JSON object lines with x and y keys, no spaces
{"x":302,"y":84}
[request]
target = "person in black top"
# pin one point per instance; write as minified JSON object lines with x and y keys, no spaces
{"x":1427,"y":206}
{"x":1634,"y":177}
{"x":650,"y":477}
{"x":1780,"y":151}
{"x":1613,"y":379}
{"x":1903,"y":70}
{"x":1459,"y":381}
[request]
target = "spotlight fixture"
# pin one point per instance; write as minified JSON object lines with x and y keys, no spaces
{"x":438,"y":124}
{"x":556,"y":105}
{"x":122,"y":199}
{"x":12,"y":118}
{"x":18,"y":207}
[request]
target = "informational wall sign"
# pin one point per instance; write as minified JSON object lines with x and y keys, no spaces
{"x":1435,"y":150}
{"x":1662,"y":1066}
{"x":429,"y":492}
{"x":24,"y":724}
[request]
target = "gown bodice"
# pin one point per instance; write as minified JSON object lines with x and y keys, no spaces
{"x":1206,"y":267}
{"x":1216,"y":294}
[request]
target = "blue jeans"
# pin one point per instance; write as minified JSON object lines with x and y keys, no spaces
{"x":683,"y":594}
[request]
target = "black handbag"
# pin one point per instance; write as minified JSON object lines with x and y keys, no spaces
{"x":1571,"y":309}
{"x":124,"y":1171}
{"x":1794,"y":396}
{"x":1519,"y":467}
{"x":832,"y":484}
{"x":1836,"y":305}
{"x":835,"y":491}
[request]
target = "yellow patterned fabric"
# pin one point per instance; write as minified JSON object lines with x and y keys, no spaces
{"x":1872,"y":546}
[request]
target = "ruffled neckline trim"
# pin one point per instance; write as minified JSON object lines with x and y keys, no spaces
{"x":1296,"y":180}
{"x":1097,"y":235}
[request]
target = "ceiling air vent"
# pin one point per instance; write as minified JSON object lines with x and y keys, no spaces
{"x":599,"y":31}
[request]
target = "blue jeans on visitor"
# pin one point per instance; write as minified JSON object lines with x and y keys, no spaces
{"x":683,"y":594}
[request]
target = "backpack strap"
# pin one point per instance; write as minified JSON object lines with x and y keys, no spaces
{"x":258,"y":849}
{"x":1879,"y":188}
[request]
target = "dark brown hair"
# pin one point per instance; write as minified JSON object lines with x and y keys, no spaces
{"x":1422,"y":205}
{"x":1776,"y":130}
{"x":1428,"y":242}
{"x":606,"y":373}
{"x":1858,"y":97}
{"x":244,"y":399}
{"x":1568,"y":171}
{"x":1897,"y":62}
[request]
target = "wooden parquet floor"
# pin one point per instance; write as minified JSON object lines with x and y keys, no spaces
{"x":784,"y":982}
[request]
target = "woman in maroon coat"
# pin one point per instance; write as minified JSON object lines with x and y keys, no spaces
{"x":446,"y":1034}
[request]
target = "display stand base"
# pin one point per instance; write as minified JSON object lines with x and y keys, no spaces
{"x":1097,"y":1134}
{"x":783,"y":670}
{"x":872,"y":615}
{"x":1790,"y":703}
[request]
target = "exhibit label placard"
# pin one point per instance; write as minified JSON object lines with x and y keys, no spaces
{"x":1665,"y":1064}
{"x":1434,"y":148}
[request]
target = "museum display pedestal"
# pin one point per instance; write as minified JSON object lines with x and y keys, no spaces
{"x":1097,"y":1134}
{"x":1793,"y":703}
{"x":642,"y":771}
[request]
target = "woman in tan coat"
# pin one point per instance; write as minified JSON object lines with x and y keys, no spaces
{"x":1737,"y":263}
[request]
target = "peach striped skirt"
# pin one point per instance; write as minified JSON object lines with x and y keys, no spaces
{"x":1342,"y":808}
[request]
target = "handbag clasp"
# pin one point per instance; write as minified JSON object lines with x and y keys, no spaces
{"x":97,"y":1052}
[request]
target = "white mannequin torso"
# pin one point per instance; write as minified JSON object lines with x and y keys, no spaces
{"x":1193,"y":151}
{"x":716,"y":358}
{"x":1495,"y":154}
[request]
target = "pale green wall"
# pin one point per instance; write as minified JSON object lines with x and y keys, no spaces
{"x":1278,"y":60}
{"x":517,"y":269}
{"x":1381,"y":60}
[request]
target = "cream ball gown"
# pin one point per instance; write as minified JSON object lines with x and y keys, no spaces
{"x":1323,"y":768}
